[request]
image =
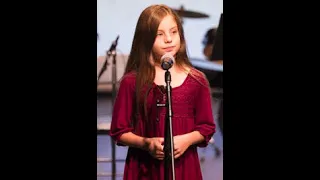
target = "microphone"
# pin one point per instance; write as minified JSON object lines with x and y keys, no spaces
{"x":114,"y":44}
{"x":166,"y":61}
{"x":109,"y":53}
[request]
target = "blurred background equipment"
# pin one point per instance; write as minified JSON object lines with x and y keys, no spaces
{"x":182,"y":13}
{"x":217,"y":50}
{"x":217,"y":55}
{"x":213,"y":50}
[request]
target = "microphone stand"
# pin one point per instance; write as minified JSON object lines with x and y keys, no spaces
{"x":168,"y":139}
{"x":112,"y":52}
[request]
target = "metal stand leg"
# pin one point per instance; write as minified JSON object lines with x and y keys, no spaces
{"x":113,"y":160}
{"x":113,"y":146}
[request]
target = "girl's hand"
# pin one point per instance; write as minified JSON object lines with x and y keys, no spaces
{"x":154,"y":147}
{"x":181,"y":144}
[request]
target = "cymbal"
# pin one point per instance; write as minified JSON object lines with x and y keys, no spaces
{"x":189,"y":14}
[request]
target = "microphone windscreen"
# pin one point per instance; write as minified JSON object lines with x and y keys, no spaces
{"x":167,"y":61}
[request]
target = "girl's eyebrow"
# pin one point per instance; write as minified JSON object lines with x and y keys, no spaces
{"x":170,"y":28}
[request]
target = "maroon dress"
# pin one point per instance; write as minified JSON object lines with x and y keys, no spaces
{"x":191,"y":107}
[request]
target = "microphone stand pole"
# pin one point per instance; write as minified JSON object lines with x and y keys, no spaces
{"x":113,"y":53}
{"x":168,"y":139}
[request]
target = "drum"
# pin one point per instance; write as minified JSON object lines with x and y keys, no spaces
{"x":212,"y":70}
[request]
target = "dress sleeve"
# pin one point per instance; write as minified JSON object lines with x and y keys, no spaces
{"x":122,"y":110}
{"x":204,"y":121}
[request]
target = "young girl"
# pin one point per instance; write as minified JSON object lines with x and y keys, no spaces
{"x":138,"y":122}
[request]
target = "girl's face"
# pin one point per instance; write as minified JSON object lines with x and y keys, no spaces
{"x":167,"y":39}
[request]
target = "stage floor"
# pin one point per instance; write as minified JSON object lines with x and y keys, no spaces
{"x":212,"y":165}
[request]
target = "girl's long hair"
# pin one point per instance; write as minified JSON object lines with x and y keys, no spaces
{"x":141,"y":50}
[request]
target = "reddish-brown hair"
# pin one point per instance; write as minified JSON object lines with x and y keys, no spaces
{"x":141,"y":50}
{"x":144,"y":37}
